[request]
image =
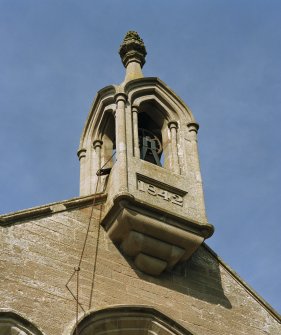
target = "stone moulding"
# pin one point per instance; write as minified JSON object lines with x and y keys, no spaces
{"x":13,"y":323}
{"x":130,"y":320}
{"x":60,"y":206}
{"x":134,"y":88}
{"x":155,"y":240}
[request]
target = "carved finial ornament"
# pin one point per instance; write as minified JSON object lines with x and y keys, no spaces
{"x":132,"y":49}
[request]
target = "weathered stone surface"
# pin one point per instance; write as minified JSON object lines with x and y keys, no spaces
{"x":38,"y":258}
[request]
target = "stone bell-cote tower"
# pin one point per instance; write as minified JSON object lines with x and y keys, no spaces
{"x":139,"y":146}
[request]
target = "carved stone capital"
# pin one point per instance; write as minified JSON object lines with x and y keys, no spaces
{"x":135,"y":108}
{"x":81,"y":153}
{"x":120,"y":96}
{"x":97,"y":144}
{"x":193,"y":126}
{"x":173,"y":124}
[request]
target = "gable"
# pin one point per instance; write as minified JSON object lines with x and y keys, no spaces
{"x":203,"y":295}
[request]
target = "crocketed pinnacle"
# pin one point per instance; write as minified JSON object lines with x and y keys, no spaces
{"x":132,"y":49}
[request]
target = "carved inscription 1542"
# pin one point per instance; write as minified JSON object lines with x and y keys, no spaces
{"x":159,"y":192}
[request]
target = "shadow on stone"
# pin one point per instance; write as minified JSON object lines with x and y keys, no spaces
{"x":198,"y":277}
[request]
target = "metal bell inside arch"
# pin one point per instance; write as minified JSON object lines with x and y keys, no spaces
{"x":150,"y":146}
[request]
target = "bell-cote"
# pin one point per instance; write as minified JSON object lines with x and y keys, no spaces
{"x":139,"y":146}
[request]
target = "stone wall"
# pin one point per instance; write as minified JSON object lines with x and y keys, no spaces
{"x":38,"y":257}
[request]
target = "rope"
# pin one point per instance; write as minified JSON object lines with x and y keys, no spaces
{"x":95,"y":261}
{"x":77,"y":304}
{"x":78,"y":267}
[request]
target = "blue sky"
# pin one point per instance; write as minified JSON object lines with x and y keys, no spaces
{"x":221,"y":57}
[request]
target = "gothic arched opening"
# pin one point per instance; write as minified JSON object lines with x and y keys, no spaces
{"x":108,"y":141}
{"x":153,"y":133}
{"x":129,"y":320}
{"x":13,"y":324}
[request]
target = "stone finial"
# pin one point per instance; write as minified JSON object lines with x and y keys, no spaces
{"x":132,"y":49}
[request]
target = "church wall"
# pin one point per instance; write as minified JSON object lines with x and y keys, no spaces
{"x":38,"y":258}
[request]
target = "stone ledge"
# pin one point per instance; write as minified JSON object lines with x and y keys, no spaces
{"x":54,"y":207}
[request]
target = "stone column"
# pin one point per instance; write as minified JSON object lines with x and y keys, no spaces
{"x":136,"y":132}
{"x":193,"y":130}
{"x":121,"y":147}
{"x":200,"y":204}
{"x":173,"y":126}
{"x":82,"y":158}
{"x":97,"y":147}
{"x":97,"y":144}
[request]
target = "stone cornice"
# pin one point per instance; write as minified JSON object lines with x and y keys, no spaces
{"x":157,"y":82}
{"x":55,"y":207}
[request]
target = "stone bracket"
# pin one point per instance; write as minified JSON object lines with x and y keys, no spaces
{"x":155,"y":240}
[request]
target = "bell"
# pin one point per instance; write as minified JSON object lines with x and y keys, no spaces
{"x":150,"y":146}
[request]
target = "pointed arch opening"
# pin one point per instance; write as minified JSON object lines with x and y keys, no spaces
{"x":129,"y":320}
{"x":12,"y":323}
{"x":155,"y":139}
{"x":108,"y":138}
